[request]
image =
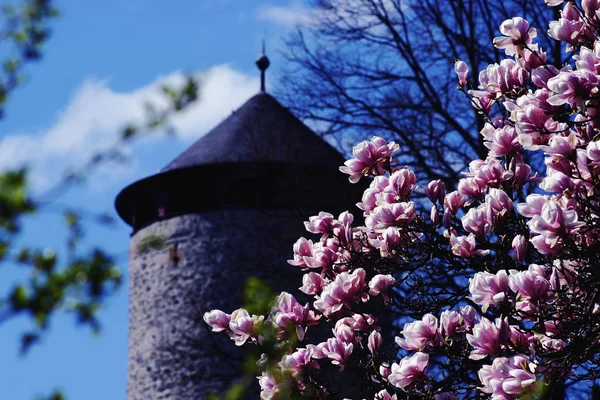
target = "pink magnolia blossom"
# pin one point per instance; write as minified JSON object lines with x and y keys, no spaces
{"x":573,"y":88}
{"x":590,"y":8}
{"x":469,"y":318}
{"x":288,"y":312}
{"x":568,"y":28}
{"x":523,"y":175}
{"x":505,"y":141}
{"x":475,"y":221}
{"x":533,"y":205}
{"x":447,"y":219}
{"x":561,"y":150}
{"x":296,"y":362}
{"x":561,"y":275}
{"x":420,"y":334}
{"x":313,"y":283}
{"x":500,"y":79}
{"x":464,"y":246}
{"x":335,"y":350}
{"x":342,"y":228}
{"x":345,"y":289}
{"x":540,"y":77}
{"x":380,"y":284}
{"x":268,"y":386}
{"x":370,"y":158}
{"x":303,"y":249}
{"x":550,"y":344}
{"x":532,"y":120}
{"x":324,"y":255}
{"x":482,"y":101}
{"x":384,"y":395}
{"x":370,"y":198}
{"x":357,"y":322}
{"x":470,"y":187}
{"x":508,"y":377}
{"x":344,"y":333}
{"x":551,"y":226}
{"x":488,"y":338}
{"x":582,"y":170}
{"x":532,"y":57}
{"x":497,"y":204}
{"x":243,"y":326}
{"x":390,"y":240}
{"x":556,"y":182}
{"x":396,"y":214}
{"x":490,"y":127}
{"x":217,"y":320}
{"x":593,"y":151}
{"x":456,"y":322}
{"x":454,"y":201}
{"x":401,"y":185}
{"x":487,"y":289}
{"x":322,"y":223}
{"x":588,"y":58}
{"x":517,"y":33}
{"x":489,"y":173}
{"x":409,"y":370}
{"x":449,"y":322}
{"x":531,"y":284}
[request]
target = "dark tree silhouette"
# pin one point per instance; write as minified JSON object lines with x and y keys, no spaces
{"x":385,"y":67}
{"x":85,"y":277}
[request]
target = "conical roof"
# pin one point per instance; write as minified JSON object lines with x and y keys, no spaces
{"x":261,"y":156}
{"x":260,"y":130}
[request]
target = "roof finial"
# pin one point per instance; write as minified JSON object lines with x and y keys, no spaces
{"x":262,"y":62}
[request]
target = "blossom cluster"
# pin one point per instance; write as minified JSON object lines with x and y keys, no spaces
{"x":501,"y":269}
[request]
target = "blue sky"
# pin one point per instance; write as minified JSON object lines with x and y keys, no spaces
{"x":104,"y":60}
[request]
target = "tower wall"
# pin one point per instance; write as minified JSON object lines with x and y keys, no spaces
{"x":203,"y":266}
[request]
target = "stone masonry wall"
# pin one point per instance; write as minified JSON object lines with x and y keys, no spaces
{"x":206,"y":260}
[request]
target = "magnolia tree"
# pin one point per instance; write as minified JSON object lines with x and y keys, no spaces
{"x":518,"y":310}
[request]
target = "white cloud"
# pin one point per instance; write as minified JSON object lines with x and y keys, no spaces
{"x":290,"y":16}
{"x":95,"y":115}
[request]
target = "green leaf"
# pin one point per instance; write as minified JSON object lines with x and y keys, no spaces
{"x":235,"y":392}
{"x":71,"y":217}
{"x":4,"y":246}
{"x":128,"y":132}
{"x":258,"y":296}
{"x":45,"y":261}
{"x":23,"y":256}
{"x":152,"y":242}
{"x":56,"y":395}
{"x":19,"y":298}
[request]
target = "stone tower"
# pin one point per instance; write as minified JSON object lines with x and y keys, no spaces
{"x":229,"y":207}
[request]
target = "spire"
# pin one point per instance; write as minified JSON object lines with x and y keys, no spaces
{"x":262,"y":62}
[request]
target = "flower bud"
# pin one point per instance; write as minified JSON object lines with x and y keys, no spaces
{"x":375,"y":341}
{"x":462,"y":70}
{"x":519,"y":247}
{"x":435,"y":216}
